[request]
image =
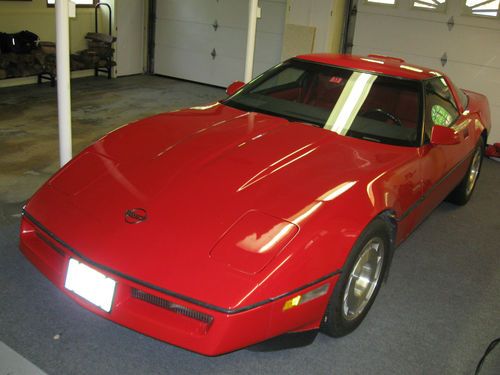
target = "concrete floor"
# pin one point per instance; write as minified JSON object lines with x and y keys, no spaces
{"x":28,"y":124}
{"x":435,"y":315}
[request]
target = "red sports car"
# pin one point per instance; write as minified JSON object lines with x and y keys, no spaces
{"x":275,"y":210}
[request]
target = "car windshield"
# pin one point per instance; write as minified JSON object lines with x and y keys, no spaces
{"x":353,"y":103}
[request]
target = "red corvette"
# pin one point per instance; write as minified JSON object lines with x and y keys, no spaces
{"x":276,"y":210}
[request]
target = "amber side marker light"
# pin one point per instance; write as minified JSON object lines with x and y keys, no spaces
{"x":309,"y":296}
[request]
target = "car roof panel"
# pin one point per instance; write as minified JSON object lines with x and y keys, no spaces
{"x":387,"y":65}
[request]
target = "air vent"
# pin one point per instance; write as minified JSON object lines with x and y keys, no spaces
{"x":171,"y":306}
{"x":383,"y":57}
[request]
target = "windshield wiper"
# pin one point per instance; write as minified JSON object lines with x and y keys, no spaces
{"x":370,"y":139}
{"x":248,"y":108}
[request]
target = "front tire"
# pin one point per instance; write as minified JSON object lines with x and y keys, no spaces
{"x":360,"y":281}
{"x":462,"y":193}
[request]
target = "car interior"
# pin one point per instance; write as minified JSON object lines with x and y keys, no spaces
{"x":390,"y":110}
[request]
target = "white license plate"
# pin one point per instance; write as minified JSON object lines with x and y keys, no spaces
{"x":90,"y":284}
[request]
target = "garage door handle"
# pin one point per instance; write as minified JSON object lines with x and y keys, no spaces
{"x":444,"y":59}
{"x":213,"y":54}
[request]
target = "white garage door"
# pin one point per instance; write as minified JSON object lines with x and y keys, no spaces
{"x":129,"y":15}
{"x":205,"y":40}
{"x":471,"y":43}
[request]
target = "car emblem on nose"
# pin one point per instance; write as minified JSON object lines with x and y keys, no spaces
{"x":135,"y":215}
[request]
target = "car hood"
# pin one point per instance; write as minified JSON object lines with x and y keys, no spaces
{"x":196,"y":173}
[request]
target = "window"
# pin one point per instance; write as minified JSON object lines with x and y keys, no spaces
{"x":485,"y":8}
{"x":437,"y":5}
{"x":440,"y":116}
{"x":440,"y":107}
{"x":79,"y":3}
{"x":286,"y":78}
{"x":356,"y":104}
{"x":462,"y":97}
{"x":382,"y":2}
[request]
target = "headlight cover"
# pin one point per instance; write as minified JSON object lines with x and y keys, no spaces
{"x":253,"y":241}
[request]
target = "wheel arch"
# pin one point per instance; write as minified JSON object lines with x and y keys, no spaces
{"x":389,"y":217}
{"x":484,"y":136}
{"x":383,"y":221}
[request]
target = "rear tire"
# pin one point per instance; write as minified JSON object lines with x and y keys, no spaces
{"x":359,"y":282}
{"x":462,"y":193}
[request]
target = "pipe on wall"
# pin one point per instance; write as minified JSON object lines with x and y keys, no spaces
{"x":151,"y":37}
{"x":253,"y":14}
{"x":63,"y":81}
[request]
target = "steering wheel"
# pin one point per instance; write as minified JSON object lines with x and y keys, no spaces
{"x":376,"y":112}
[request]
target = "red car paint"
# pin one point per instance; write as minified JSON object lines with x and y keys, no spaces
{"x":214,"y":179}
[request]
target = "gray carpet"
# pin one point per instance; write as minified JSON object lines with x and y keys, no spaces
{"x":436,"y":314}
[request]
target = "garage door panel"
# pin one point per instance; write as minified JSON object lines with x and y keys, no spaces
{"x":268,"y":48}
{"x":231,"y":61}
{"x":494,"y":136}
{"x":195,"y":36}
{"x":231,"y":43}
{"x":273,"y":17}
{"x":184,"y":31}
{"x":454,"y":8}
{"x":228,"y":70}
{"x":429,"y":39}
{"x":233,"y":13}
{"x":185,"y":64}
{"x":187,"y":10}
{"x":236,"y":15}
{"x":261,"y":66}
{"x":483,"y":80}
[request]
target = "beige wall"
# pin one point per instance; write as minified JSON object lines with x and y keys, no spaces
{"x":326,"y":16}
{"x":339,"y":7}
{"x":36,"y":17}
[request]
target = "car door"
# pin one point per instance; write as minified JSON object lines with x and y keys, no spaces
{"x":442,"y":166}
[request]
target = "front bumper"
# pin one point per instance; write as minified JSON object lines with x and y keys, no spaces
{"x":145,"y":310}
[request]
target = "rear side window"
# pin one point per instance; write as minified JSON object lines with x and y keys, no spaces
{"x":440,"y":107}
{"x":287,"y":79}
{"x":462,"y":97}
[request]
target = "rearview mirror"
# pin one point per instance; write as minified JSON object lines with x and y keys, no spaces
{"x":442,"y":135}
{"x":234,"y":87}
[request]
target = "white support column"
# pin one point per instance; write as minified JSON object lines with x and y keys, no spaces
{"x":63,"y":80}
{"x":253,"y":14}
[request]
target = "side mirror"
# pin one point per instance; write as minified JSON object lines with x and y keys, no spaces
{"x":234,"y":87}
{"x":442,"y":135}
